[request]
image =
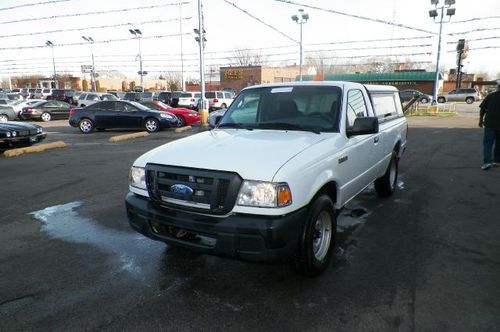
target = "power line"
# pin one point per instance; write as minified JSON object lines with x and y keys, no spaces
{"x":95,"y":42}
{"x":477,"y":39}
{"x":94,"y":13}
{"x":93,"y":28}
{"x":471,"y":31}
{"x":259,"y":20}
{"x":356,"y":16}
{"x":476,"y":19}
{"x":33,"y":4}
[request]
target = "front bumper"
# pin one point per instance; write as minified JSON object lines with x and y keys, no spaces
{"x":242,"y":236}
{"x":22,"y":140}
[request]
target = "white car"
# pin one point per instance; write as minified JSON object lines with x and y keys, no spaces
{"x":266,"y":183}
{"x":19,"y":105}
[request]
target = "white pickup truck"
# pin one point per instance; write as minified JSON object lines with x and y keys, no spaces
{"x":266,"y":183}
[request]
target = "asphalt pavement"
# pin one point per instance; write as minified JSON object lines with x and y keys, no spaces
{"x":426,"y":259}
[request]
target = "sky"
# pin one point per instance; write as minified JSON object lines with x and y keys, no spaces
{"x":340,"y":31}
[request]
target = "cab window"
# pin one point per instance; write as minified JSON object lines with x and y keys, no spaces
{"x":356,"y":106}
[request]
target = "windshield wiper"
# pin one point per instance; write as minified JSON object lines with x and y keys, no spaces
{"x":234,"y":125}
{"x":288,"y":126}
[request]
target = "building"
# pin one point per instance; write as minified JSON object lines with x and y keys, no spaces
{"x":240,"y":77}
{"x":402,"y":80}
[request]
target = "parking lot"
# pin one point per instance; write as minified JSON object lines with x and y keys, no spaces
{"x":424,"y":259}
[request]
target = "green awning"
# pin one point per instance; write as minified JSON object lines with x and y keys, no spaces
{"x":380,"y":77}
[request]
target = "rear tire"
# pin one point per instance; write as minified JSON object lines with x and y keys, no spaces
{"x":4,"y":118}
{"x":86,"y":126}
{"x":318,"y":238}
{"x":469,"y":100}
{"x":441,"y":100}
{"x":424,"y":100}
{"x":151,"y":125}
{"x":46,"y":117}
{"x":386,"y":184}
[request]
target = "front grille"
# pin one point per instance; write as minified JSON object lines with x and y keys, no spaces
{"x":191,"y":189}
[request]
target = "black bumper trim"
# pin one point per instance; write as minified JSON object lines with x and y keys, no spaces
{"x":241,"y":236}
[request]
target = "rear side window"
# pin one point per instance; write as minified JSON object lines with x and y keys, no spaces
{"x":210,"y":95}
{"x":384,"y":105}
{"x":220,"y":95}
{"x":356,"y":106}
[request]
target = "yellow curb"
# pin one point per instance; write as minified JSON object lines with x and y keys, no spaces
{"x":183,"y":129}
{"x":31,"y":149}
{"x":128,"y":137}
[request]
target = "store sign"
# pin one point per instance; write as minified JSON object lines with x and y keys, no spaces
{"x":233,"y":74}
{"x":86,"y":69}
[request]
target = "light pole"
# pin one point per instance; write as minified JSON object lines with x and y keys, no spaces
{"x":92,"y":73}
{"x":138,"y":35}
{"x":51,"y":45}
{"x":200,"y":38}
{"x":433,"y":14}
{"x":183,"y":84}
{"x":300,"y":19}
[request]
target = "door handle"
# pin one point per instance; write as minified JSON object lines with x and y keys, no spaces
{"x":376,"y":139}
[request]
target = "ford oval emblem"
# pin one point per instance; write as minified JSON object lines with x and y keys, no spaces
{"x":181,"y":189}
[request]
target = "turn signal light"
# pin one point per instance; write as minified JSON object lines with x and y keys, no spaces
{"x":284,"y":196}
{"x":72,"y":111}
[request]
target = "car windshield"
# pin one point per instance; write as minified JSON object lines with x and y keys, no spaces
{"x":308,"y":108}
{"x":140,"y":106}
{"x":163,"y":105}
{"x":57,"y":92}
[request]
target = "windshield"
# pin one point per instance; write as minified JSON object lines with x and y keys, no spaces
{"x":140,"y":106}
{"x":310,"y":108}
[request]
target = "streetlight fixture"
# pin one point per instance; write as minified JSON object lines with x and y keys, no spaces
{"x":433,"y":14}
{"x":138,"y":35}
{"x":51,"y":45}
{"x":300,"y":19}
{"x":92,"y":72}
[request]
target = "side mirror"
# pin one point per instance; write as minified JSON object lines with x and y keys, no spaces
{"x":363,"y":126}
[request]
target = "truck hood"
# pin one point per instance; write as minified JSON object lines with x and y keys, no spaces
{"x":255,"y":154}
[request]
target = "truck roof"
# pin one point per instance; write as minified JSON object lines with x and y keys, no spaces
{"x":369,"y":87}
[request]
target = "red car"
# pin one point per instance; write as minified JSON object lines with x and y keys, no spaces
{"x":185,"y":115}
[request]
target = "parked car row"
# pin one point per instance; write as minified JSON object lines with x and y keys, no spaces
{"x":468,"y":95}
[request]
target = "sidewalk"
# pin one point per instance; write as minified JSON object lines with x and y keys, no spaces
{"x":467,"y":117}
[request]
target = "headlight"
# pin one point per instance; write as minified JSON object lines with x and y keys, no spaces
{"x":264,"y":194}
{"x":14,"y":134}
{"x":167,"y":116}
{"x":39,"y":130}
{"x":7,"y":134}
{"x":137,"y":177}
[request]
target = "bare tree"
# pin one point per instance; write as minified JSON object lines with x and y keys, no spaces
{"x":246,"y":57}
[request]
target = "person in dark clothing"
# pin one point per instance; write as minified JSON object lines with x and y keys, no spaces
{"x":489,"y":117}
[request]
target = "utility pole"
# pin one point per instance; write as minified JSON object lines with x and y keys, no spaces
{"x":92,"y":73}
{"x":300,"y":19}
{"x":200,"y":38}
{"x":51,"y":45}
{"x":183,"y":83}
{"x":462,"y":49}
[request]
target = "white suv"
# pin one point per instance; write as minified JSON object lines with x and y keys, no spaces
{"x":86,"y":99}
{"x":189,"y":99}
{"x":219,"y":99}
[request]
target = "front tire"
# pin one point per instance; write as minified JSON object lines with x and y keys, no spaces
{"x":318,"y":238}
{"x":182,"y":121}
{"x":4,"y":118}
{"x":441,"y":100}
{"x":151,"y":125}
{"x":386,"y":184}
{"x":424,"y":100}
{"x":46,"y":117}
{"x":86,"y":126}
{"x":469,"y":100}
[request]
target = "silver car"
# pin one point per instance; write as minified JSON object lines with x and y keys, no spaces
{"x":467,"y":95}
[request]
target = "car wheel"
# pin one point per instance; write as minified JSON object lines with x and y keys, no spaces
{"x":46,"y":117}
{"x":386,"y":184}
{"x":441,"y":100}
{"x":151,"y":125}
{"x":182,"y":121}
{"x":86,"y":126}
{"x":4,"y":118}
{"x":82,"y":105}
{"x":424,"y":100}
{"x":223,"y":105}
{"x":469,"y":100}
{"x":318,"y":238}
